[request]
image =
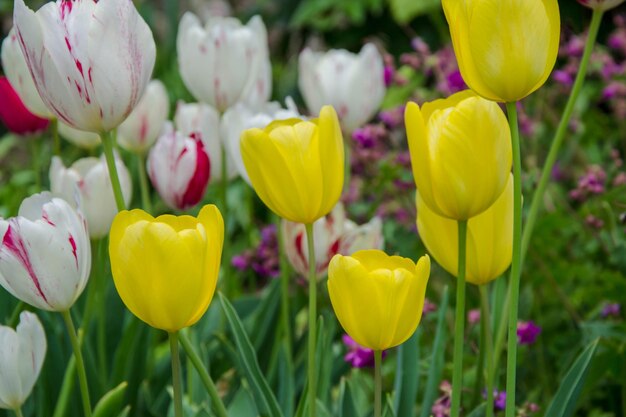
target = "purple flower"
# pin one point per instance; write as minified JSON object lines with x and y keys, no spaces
{"x":527,"y":332}
{"x":428,"y":307}
{"x":455,"y":81}
{"x":594,"y":222}
{"x":441,"y":407}
{"x":499,"y":402}
{"x":563,"y":77}
{"x":388,"y":74}
{"x":358,"y":356}
{"x":611,"y":310}
{"x":473,"y":316}
{"x":264,"y":259}
{"x":241,"y":262}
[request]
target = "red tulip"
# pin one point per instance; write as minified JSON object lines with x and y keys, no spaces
{"x":14,"y":114}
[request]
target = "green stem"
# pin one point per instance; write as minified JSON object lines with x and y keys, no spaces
{"x":54,"y":126}
{"x":108,"y":143}
{"x":312,"y":370}
{"x":18,"y":412}
{"x":378,"y":358}
{"x":102,"y":320}
{"x":485,"y":323}
{"x":561,"y":130}
{"x":228,"y":284}
{"x":284,"y":286}
{"x":15,"y":315}
{"x":511,"y":359}
{"x":143,"y":183}
{"x":176,"y":375}
{"x":218,"y":405}
{"x":80,"y":365}
{"x":459,"y":324}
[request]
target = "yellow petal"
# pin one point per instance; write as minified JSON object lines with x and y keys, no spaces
{"x":331,"y":152}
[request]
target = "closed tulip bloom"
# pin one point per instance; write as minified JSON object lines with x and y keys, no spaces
{"x":241,"y":117}
{"x":601,"y":4}
{"x":378,"y":298}
{"x":89,"y":177}
{"x":179,"y":169}
{"x":165,"y":269}
{"x":15,"y":115}
{"x":203,"y":121}
{"x":352,"y":83}
{"x":296,"y":166}
{"x":22,"y":352}
{"x":45,"y":256}
{"x":505,"y":50}
{"x":460,"y":152}
{"x":80,"y":138}
{"x":90,"y":61}
{"x":489,"y":238}
{"x":334,"y":234}
{"x":224,"y":62}
{"x":16,"y":70}
{"x":142,"y":127}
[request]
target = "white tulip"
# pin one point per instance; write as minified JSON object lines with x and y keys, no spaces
{"x":204,"y":121}
{"x":45,"y":254}
{"x":22,"y":352}
{"x":224,"y":62}
{"x":16,"y":70}
{"x":354,"y":84}
{"x":89,"y":177}
{"x":80,"y":138}
{"x":90,"y":61}
{"x":143,"y":126}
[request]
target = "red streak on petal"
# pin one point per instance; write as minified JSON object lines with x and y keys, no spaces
{"x":143,"y":128}
{"x":15,"y":247}
{"x":66,"y":8}
{"x":200,"y":178}
{"x":73,"y":244}
{"x":299,"y":249}
{"x":44,"y":215}
{"x":67,"y":43}
{"x":334,"y":249}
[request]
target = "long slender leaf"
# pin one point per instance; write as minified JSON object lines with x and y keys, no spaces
{"x":263,"y":396}
{"x":436,"y":368}
{"x":286,"y":381}
{"x":346,"y":402}
{"x":479,"y":411}
{"x":110,"y":405}
{"x":407,"y":375}
{"x":564,"y":402}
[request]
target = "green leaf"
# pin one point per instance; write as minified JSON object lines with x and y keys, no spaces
{"x":286,"y":381}
{"x":436,"y":368}
{"x":264,"y":398}
{"x":479,"y":411}
{"x":111,"y":403}
{"x":404,"y":11}
{"x":564,"y":402}
{"x":407,"y":375}
{"x":347,"y":408}
{"x":125,"y":412}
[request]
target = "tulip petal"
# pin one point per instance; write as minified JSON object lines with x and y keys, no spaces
{"x":331,"y":152}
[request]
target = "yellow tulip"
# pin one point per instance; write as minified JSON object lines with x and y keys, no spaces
{"x":296,"y":166}
{"x":377,"y":298}
{"x":506,"y":49}
{"x":460,"y":152}
{"x":165,"y":269}
{"x":489,"y":238}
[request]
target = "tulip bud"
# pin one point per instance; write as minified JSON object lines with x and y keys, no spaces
{"x":45,"y":255}
{"x":241,"y":117}
{"x":489,"y":238}
{"x":90,"y":61}
{"x":16,"y":70}
{"x":80,"y":138}
{"x":142,"y":127}
{"x":334,"y":234}
{"x":224,"y":62}
{"x":354,"y":84}
{"x":179,"y":169}
{"x":377,"y":298}
{"x":15,"y":115}
{"x":296,"y":166}
{"x":90,"y":178}
{"x":165,"y":269}
{"x":203,"y":121}
{"x":504,"y":52}
{"x":460,"y":152}
{"x":603,"y":5}
{"x":22,"y":352}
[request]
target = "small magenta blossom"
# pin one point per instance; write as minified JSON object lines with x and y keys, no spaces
{"x":527,"y":332}
{"x":473,"y":316}
{"x":263,"y":260}
{"x":611,"y":310}
{"x":358,"y":356}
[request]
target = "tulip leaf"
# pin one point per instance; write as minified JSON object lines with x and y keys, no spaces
{"x":111,"y":403}
{"x":564,"y":402}
{"x":264,"y":398}
{"x":347,"y":408}
{"x":478,"y":411}
{"x":436,"y":368}
{"x":125,"y":412}
{"x":286,"y":382}
{"x":407,"y":375}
